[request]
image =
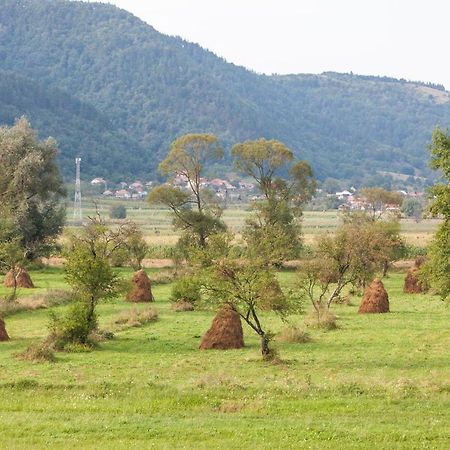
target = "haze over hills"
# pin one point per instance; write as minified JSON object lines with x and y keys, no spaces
{"x":129,"y":91}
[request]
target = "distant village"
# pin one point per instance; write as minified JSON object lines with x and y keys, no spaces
{"x":238,"y":191}
{"x":137,"y":190}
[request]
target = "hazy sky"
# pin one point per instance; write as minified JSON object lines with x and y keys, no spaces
{"x":400,"y":38}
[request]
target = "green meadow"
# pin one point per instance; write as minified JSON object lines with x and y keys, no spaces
{"x":378,"y":381}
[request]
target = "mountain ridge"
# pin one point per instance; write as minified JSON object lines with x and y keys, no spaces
{"x":153,"y":88}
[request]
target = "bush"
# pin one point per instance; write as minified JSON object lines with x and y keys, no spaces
{"x":412,"y":251}
{"x":182,"y":306}
{"x":294,"y":335}
{"x":120,"y":258}
{"x":118,"y":212}
{"x":186,"y":289}
{"x":73,"y":328}
{"x":325,"y":321}
{"x":164,"y":276}
{"x":38,"y":352}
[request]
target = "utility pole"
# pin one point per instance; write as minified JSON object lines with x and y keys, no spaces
{"x":77,"y":202}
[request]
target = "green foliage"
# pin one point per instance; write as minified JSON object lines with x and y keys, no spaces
{"x":134,"y":245}
{"x":352,"y":256}
{"x":440,"y":160}
{"x":118,"y":212}
{"x":273,"y":233}
{"x":412,"y":207}
{"x":437,"y":268}
{"x":11,"y":251}
{"x":250,"y":289}
{"x":74,"y":327}
{"x":80,"y":129}
{"x":30,"y":187}
{"x":88,"y":271}
{"x":188,"y":155}
{"x":195,"y":211}
{"x":187,"y":289}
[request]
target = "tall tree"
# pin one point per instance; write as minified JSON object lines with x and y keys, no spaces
{"x":195,"y":210}
{"x":437,"y":268}
{"x":286,"y":185}
{"x":31,"y":186}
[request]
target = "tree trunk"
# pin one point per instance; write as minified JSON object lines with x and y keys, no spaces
{"x":90,"y":316}
{"x":265,"y":350}
{"x":385,"y":267}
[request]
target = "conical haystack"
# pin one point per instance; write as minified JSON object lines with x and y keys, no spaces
{"x":23,"y":279}
{"x":375,"y":299}
{"x":225,"y":332}
{"x":3,"y":334}
{"x":413,"y":283}
{"x":142,"y":289}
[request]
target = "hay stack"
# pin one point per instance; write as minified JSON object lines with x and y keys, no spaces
{"x":142,"y":289}
{"x":225,"y":332}
{"x":3,"y":334}
{"x":375,"y":299}
{"x":413,"y":284}
{"x":23,"y":279}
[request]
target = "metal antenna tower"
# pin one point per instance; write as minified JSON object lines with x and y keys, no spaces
{"x":77,"y":202}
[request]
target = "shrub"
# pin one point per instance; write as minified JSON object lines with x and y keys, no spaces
{"x":412,"y":251}
{"x":294,"y":335}
{"x":117,"y":212}
{"x":148,"y":315}
{"x":186,"y":289}
{"x":164,"y":276}
{"x":38,"y":352}
{"x":73,"y":328}
{"x":120,"y":258}
{"x":182,"y":306}
{"x":326,"y":320}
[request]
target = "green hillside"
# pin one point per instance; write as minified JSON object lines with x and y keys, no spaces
{"x":155,"y":87}
{"x":79,"y":128}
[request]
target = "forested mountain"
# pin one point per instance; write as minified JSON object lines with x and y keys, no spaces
{"x":78,"y":127}
{"x":150,"y":88}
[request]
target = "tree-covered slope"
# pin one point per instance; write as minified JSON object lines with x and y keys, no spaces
{"x":156,"y":87}
{"x":79,"y":128}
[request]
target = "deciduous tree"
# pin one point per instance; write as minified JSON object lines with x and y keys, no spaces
{"x":195,"y":210}
{"x":437,"y":267}
{"x":286,"y":185}
{"x":31,"y":187}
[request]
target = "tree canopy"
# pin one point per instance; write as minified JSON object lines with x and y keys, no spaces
{"x":31,"y":187}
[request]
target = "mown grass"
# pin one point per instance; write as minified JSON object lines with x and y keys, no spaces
{"x":378,"y":381}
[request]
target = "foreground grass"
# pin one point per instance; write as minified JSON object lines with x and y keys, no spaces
{"x":379,"y":381}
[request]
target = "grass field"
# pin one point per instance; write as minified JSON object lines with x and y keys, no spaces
{"x":378,"y":381}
